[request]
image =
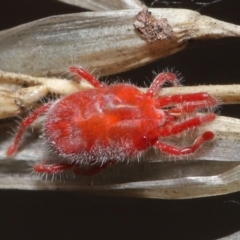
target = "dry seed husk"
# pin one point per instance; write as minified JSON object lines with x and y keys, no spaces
{"x":103,"y":5}
{"x":233,"y":236}
{"x":212,"y":172}
{"x":103,"y":42}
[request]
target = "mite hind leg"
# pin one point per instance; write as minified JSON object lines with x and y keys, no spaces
{"x":45,"y":168}
{"x":26,"y":123}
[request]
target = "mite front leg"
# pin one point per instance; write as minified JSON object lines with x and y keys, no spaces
{"x":189,"y":102}
{"x":86,"y":75}
{"x":160,"y":80}
{"x":173,"y":150}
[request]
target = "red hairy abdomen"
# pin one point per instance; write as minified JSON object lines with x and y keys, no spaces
{"x":97,"y":123}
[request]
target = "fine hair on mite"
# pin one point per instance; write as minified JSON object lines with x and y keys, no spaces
{"x":93,"y":129}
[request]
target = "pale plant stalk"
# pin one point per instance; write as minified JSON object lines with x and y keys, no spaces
{"x":15,"y":101}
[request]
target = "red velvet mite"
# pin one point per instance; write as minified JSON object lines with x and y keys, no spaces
{"x":96,"y":128}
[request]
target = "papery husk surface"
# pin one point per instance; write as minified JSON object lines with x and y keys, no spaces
{"x":213,"y":170}
{"x":103,"y":42}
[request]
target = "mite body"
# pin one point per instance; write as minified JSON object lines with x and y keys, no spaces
{"x":95,"y":128}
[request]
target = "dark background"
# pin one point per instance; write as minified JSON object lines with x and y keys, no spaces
{"x":73,"y":215}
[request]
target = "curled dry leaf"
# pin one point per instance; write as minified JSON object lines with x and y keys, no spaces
{"x":103,"y":42}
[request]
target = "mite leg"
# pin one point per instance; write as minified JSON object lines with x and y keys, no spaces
{"x":173,"y":150}
{"x":25,"y":123}
{"x":77,"y":169}
{"x":159,"y":80}
{"x":180,"y":127}
{"x":86,"y":75}
{"x":189,"y":102}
